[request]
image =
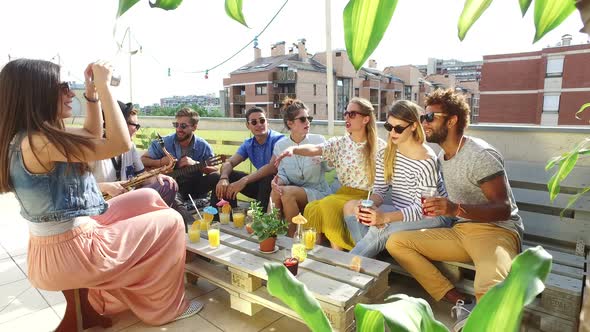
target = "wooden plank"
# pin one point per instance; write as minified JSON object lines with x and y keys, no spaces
{"x":554,"y":227}
{"x":534,"y":173}
{"x":342,"y":259}
{"x":348,"y":276}
{"x":563,"y":258}
{"x":547,"y":323}
{"x":328,"y":290}
{"x":535,"y":197}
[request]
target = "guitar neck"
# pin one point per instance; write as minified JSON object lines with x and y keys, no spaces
{"x":186,"y":170}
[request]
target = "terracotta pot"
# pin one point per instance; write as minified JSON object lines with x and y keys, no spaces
{"x":268,"y":245}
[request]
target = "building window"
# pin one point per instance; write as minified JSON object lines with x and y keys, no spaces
{"x":315,"y":111}
{"x":551,"y":103}
{"x":260,"y":89}
{"x":315,"y":90}
{"x":415,"y":96}
{"x":554,"y":67}
{"x":356,"y":92}
{"x":338,"y":53}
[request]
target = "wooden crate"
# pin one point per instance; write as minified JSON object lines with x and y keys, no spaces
{"x":239,"y":270}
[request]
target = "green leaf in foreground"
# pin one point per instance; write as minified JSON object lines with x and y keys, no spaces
{"x":125,"y":5}
{"x":295,"y":295}
{"x":400,"y":312}
{"x":549,"y":14}
{"x":472,"y":10}
{"x":233,"y":9}
{"x":582,"y":109}
{"x":166,"y":4}
{"x":365,"y":23}
{"x":500,"y":309}
{"x":524,"y":6}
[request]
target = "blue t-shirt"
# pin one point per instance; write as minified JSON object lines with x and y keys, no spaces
{"x":200,"y":151}
{"x":259,"y":154}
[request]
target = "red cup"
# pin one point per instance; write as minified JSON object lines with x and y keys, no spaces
{"x":291,"y":263}
{"x":365,"y":204}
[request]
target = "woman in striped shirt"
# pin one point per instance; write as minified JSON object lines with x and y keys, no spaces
{"x":408,"y":166}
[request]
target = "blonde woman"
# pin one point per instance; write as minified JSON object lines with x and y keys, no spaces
{"x":300,"y":179}
{"x":353,"y":155}
{"x":408,"y":166}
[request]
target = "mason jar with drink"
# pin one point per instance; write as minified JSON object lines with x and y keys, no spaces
{"x":427,"y":192}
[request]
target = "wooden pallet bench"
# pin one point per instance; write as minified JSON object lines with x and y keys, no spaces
{"x":238,"y":267}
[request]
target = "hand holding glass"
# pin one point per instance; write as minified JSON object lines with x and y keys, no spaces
{"x":428,"y":192}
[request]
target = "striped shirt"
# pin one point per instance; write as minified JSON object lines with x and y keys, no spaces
{"x":410,"y":177}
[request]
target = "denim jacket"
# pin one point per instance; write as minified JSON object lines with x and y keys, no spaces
{"x":58,"y":195}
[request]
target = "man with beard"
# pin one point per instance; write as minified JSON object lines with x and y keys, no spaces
{"x":259,"y":150}
{"x":488,"y":231}
{"x":188,"y":149}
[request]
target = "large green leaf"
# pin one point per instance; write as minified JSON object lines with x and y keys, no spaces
{"x":524,"y":6}
{"x":166,"y":4}
{"x":472,"y":10}
{"x":500,"y":309}
{"x":365,"y":22}
{"x":565,"y":168}
{"x":294,"y":294}
{"x":233,"y":8}
{"x":124,"y":6}
{"x":573,"y":200}
{"x":549,"y":14}
{"x":582,"y":109}
{"x":400,"y":312}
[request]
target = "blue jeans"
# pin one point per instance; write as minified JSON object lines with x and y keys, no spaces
{"x":371,"y":240}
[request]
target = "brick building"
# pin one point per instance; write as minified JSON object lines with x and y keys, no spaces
{"x":545,"y":87}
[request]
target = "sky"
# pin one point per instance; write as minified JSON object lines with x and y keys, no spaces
{"x":199,"y":35}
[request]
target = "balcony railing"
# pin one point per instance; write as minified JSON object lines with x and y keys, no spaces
{"x":288,"y":76}
{"x":374,"y":100}
{"x":279,"y":97}
{"x":240,"y":99}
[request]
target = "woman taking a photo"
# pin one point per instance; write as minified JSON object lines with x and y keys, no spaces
{"x":353,"y":156}
{"x":408,"y":166}
{"x":300,"y":179}
{"x":127,"y":258}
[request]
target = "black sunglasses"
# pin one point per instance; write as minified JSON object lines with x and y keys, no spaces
{"x":64,"y":87}
{"x":304,"y":118}
{"x":429,"y":117}
{"x":351,"y":114}
{"x":182,"y":126}
{"x":255,"y":121}
{"x":137,"y":125}
{"x":398,"y":129}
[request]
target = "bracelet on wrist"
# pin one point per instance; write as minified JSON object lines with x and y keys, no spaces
{"x":90,"y":100}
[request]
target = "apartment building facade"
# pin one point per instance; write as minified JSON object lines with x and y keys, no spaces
{"x":545,"y":87}
{"x":464,"y":71}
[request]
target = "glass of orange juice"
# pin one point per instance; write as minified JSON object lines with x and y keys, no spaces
{"x":194,"y":232}
{"x":309,"y":238}
{"x":213,"y":235}
{"x":239,"y":216}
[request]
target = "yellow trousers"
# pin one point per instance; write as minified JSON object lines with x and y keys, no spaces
{"x":326,"y":216}
{"x":489,"y":247}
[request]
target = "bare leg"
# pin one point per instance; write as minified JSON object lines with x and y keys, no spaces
{"x":293,"y":201}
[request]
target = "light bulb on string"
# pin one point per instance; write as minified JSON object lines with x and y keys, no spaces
{"x":207,"y":74}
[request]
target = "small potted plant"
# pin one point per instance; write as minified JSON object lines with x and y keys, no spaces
{"x":267,"y":226}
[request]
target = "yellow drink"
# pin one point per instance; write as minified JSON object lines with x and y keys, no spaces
{"x":205,"y":225}
{"x":309,"y":238}
{"x":213,"y":235}
{"x":194,"y":234}
{"x":239,"y":220}
{"x":224,"y":218}
{"x":298,"y":251}
{"x":208,"y":217}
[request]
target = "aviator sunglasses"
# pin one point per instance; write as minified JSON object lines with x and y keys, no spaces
{"x":429,"y":117}
{"x":182,"y":126}
{"x":255,"y":121}
{"x":304,"y":118}
{"x":398,"y":129}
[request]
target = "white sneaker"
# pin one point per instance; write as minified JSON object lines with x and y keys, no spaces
{"x":460,"y":312}
{"x":193,"y":308}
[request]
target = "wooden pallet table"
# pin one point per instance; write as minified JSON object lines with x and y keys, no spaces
{"x":238,"y":267}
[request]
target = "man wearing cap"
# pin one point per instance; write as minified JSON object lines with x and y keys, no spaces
{"x":112,"y":173}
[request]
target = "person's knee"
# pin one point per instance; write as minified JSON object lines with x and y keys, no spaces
{"x":395,"y":242}
{"x":350,"y":207}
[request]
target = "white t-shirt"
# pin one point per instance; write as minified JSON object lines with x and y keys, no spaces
{"x":104,"y":170}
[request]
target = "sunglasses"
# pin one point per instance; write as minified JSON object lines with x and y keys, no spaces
{"x":182,"y":126}
{"x":352,"y":114}
{"x":398,"y":129}
{"x":255,"y":121}
{"x":303,"y":119}
{"x":136,"y":125}
{"x":429,"y":117}
{"x":64,"y":87}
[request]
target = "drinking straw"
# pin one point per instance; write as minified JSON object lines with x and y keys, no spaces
{"x":368,"y":195}
{"x":189,"y":196}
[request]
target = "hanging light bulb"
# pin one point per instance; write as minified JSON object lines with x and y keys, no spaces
{"x":256,"y":42}
{"x":207,"y":74}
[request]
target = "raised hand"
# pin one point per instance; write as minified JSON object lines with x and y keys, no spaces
{"x":287,"y":153}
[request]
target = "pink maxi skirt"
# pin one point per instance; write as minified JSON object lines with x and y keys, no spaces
{"x":130,"y":257}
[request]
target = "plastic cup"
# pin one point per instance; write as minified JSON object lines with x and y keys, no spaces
{"x":428,"y":192}
{"x":366,"y":204}
{"x":194,"y":234}
{"x":213,"y":235}
{"x":238,"y":216}
{"x":292,"y":264}
{"x":204,"y":224}
{"x":299,"y":252}
{"x":208,"y":217}
{"x":224,"y":218}
{"x":309,"y":238}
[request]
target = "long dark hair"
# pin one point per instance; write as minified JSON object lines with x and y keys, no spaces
{"x":29,"y":96}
